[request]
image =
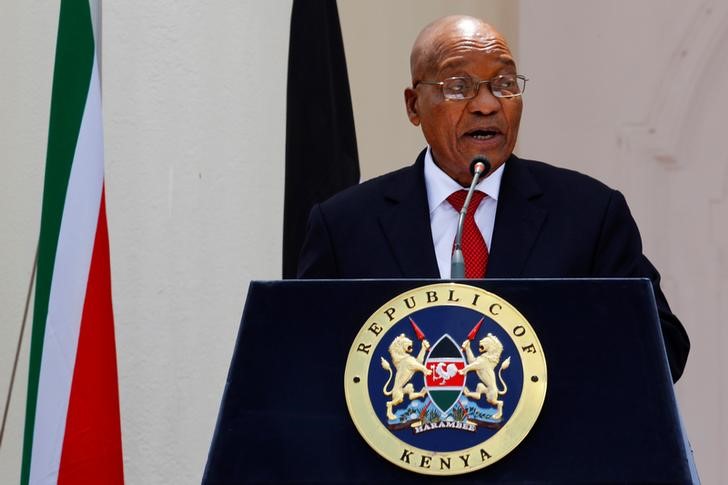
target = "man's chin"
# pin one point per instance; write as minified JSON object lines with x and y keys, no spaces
{"x":460,"y":170}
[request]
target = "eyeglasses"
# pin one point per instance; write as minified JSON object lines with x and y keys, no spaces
{"x":458,"y":88}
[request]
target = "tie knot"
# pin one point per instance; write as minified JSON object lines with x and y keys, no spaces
{"x":457,"y":199}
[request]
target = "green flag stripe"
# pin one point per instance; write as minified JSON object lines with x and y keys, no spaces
{"x":71,"y":77}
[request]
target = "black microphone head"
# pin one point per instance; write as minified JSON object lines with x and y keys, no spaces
{"x":480,"y":160}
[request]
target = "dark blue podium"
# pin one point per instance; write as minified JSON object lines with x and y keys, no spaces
{"x":610,"y":414}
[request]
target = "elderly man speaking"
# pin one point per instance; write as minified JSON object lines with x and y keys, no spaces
{"x":526,"y":218}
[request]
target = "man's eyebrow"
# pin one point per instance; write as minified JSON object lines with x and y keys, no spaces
{"x":452,"y":64}
{"x":507,"y":60}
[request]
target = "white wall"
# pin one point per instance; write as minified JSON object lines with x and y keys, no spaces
{"x":194,"y":114}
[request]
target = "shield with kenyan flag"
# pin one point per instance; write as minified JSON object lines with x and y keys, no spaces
{"x":445,"y":384}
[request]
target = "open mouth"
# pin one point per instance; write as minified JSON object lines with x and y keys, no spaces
{"x":483,"y":134}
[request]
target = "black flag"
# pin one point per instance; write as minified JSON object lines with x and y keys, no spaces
{"x":321,"y":153}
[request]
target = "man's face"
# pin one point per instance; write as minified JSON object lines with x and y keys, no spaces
{"x":460,"y":130}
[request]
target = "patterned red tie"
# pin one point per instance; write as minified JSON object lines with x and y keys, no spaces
{"x":475,"y":251}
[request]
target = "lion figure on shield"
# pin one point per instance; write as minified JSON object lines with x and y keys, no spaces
{"x":405,"y":367}
{"x":484,"y":366}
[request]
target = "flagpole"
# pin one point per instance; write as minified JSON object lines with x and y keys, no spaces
{"x":19,"y":347}
{"x":96,"y":12}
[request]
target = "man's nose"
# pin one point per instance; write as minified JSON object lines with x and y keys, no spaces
{"x":484,"y":101}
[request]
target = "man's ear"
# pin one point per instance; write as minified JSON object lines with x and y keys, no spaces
{"x":410,"y":102}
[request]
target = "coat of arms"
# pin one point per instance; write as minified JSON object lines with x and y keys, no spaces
{"x":445,"y":398}
{"x":455,"y":405}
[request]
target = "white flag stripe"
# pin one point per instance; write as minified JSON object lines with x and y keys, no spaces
{"x":68,"y":290}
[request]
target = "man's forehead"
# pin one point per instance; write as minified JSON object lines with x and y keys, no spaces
{"x":441,"y":44}
{"x":483,"y":39}
{"x":455,"y":62}
{"x":476,"y":30}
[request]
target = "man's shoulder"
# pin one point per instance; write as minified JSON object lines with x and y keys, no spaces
{"x":554,"y":179}
{"x":393,"y":185}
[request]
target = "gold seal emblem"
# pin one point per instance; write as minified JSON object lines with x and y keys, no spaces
{"x":445,"y":408}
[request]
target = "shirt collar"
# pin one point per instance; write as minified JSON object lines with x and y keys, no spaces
{"x":439,"y":184}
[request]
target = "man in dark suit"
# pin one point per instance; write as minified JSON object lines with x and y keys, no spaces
{"x":533,"y":219}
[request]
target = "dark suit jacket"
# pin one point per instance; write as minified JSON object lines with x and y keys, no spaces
{"x":550,"y":222}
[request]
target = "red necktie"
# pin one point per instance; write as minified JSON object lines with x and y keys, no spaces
{"x":475,"y":251}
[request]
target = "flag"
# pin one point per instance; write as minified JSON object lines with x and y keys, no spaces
{"x":72,"y":427}
{"x":321,"y":152}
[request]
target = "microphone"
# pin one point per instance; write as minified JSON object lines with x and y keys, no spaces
{"x":479,"y":166}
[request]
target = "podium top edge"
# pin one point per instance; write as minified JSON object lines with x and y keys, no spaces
{"x":440,"y":280}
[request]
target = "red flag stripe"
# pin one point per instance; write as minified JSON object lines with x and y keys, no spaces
{"x":92,"y":451}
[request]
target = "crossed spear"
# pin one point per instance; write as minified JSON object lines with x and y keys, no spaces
{"x":474,"y":331}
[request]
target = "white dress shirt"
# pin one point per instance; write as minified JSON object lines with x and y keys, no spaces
{"x":444,"y":218}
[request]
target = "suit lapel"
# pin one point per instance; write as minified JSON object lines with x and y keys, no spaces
{"x":517,"y":223}
{"x":406,"y":224}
